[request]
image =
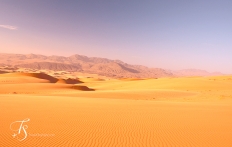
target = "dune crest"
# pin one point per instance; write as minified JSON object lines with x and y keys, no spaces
{"x":40,"y":76}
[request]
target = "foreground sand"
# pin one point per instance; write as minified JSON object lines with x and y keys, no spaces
{"x":168,"y":112}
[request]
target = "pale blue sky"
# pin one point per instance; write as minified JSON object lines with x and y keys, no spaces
{"x":168,"y":34}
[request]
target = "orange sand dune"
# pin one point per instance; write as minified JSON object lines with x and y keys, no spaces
{"x":41,"y":76}
{"x":86,"y":112}
{"x":35,"y":75}
{"x":37,"y":83}
{"x":87,"y":122}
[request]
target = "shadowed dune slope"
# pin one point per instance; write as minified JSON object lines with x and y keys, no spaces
{"x":82,"y":88}
{"x":38,"y":83}
{"x":69,"y":81}
{"x":34,"y":75}
{"x":2,"y":72}
{"x":41,"y":76}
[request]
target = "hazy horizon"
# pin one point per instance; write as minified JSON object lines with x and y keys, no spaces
{"x":163,"y":34}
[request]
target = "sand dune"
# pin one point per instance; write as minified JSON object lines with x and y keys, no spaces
{"x":108,"y":122}
{"x":35,"y":75}
{"x":82,"y":88}
{"x":164,"y":88}
{"x":2,"y":72}
{"x":69,"y":81}
{"x":35,"y":83}
{"x":131,"y":79}
{"x":92,"y":112}
{"x":41,"y":76}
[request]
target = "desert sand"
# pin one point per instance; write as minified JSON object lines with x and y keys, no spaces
{"x":96,"y":111}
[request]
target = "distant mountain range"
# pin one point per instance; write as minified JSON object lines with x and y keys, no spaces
{"x":95,"y":65}
{"x":194,"y":72}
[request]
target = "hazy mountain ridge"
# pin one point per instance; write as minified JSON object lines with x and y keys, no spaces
{"x":101,"y":66}
{"x":195,"y":72}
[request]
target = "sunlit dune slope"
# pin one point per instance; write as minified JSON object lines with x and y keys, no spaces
{"x":88,"y":122}
{"x":187,"y":88}
{"x":92,"y":112}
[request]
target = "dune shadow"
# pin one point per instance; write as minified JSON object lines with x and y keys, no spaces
{"x":73,"y":81}
{"x":82,"y":88}
{"x":42,"y":76}
{"x":69,"y":81}
{"x":3,"y":72}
